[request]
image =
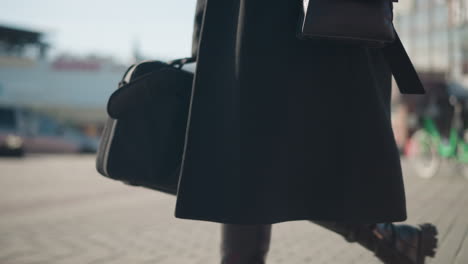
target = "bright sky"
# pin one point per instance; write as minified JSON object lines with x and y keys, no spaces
{"x":160,"y":28}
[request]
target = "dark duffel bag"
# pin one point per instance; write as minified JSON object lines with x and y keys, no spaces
{"x":143,"y":139}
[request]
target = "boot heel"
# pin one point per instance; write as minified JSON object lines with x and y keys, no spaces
{"x":428,"y":242}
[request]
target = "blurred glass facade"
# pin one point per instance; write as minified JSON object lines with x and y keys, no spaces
{"x":435,"y":34}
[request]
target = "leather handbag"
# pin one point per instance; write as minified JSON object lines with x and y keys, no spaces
{"x":143,"y":139}
{"x":364,"y":23}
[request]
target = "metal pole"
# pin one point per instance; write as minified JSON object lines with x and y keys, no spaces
{"x":430,"y":32}
{"x":450,"y":39}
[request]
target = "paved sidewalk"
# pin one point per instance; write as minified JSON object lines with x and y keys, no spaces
{"x":57,"y":209}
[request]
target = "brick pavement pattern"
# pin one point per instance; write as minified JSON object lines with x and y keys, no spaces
{"x":57,"y":209}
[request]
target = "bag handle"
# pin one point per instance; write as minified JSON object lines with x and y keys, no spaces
{"x":179,"y":63}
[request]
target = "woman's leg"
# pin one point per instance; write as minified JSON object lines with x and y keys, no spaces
{"x":348,"y":231}
{"x":245,"y":244}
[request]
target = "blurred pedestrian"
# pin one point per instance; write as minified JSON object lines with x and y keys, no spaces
{"x":283,"y":129}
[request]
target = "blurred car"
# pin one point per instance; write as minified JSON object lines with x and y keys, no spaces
{"x":46,"y":135}
{"x":86,"y":143}
{"x":49,"y":135}
{"x":11,"y":132}
{"x":25,"y":131}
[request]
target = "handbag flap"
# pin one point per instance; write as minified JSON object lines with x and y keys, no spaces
{"x":365,"y":22}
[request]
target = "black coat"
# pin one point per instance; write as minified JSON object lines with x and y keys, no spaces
{"x":284,"y":129}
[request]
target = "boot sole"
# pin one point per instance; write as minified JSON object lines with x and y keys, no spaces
{"x":427,"y":242}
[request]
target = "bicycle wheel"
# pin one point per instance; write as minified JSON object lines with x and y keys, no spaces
{"x":463,"y":159}
{"x":422,"y":154}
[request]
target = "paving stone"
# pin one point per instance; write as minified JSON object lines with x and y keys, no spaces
{"x":57,"y":210}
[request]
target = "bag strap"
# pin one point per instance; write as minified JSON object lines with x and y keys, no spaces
{"x":181,"y":62}
{"x":397,"y":58}
{"x":403,"y":70}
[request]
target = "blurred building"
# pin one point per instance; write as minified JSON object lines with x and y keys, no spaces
{"x":73,"y":89}
{"x":435,"y":34}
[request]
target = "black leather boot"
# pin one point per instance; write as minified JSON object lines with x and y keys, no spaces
{"x":392,"y":244}
{"x":413,"y":244}
{"x":245,"y":244}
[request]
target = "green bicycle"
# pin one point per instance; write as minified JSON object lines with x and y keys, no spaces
{"x":428,"y":149}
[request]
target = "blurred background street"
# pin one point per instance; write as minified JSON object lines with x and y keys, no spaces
{"x":61,"y":60}
{"x":57,"y":209}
